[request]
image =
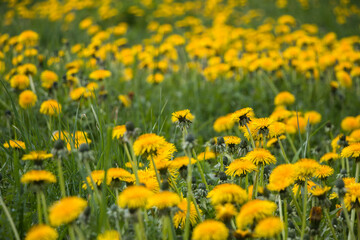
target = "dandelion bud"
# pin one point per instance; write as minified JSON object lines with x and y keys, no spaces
{"x":84,"y":148}
{"x":315,"y":219}
{"x":222,"y":176}
{"x":130,"y":126}
{"x":59,"y":144}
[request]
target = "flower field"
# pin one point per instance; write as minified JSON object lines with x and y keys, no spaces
{"x":162,"y":119}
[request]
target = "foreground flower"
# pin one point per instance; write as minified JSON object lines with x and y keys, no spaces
{"x":254,"y":210}
{"x":224,"y":123}
{"x":118,"y":132}
{"x":227,"y":193}
{"x":27,"y":99}
{"x":38,"y":177}
{"x":50,"y":107}
{"x":36,"y":156}
{"x":282,"y":177}
{"x":19,"y":81}
{"x":210,"y":230}
{"x":242,"y":116}
{"x":41,"y":232}
{"x":306,"y":168}
{"x":109,"y":235}
{"x":268,"y":228}
{"x":148,"y":144}
{"x":260,"y":156}
{"x":97,"y":176}
{"x":351,"y":151}
{"x":118,"y":175}
{"x":240,"y":167}
{"x":327,"y":157}
{"x":134,"y":197}
{"x":225,"y":212}
{"x":180,"y":215}
{"x":163,"y":200}
{"x":66,"y":210}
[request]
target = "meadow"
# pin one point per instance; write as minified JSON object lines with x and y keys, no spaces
{"x":161,"y":119}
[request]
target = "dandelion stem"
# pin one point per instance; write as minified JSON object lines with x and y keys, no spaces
{"x":200,"y":170}
{"x":303,"y":222}
{"x":262,"y":175}
{"x":39,"y":207}
{"x":285,"y":217}
{"x":281,"y":216}
{"x":291,"y":143}
{"x":71,"y":233}
{"x":156,"y":171}
{"x":357,"y":171}
{"x":133,"y":165}
{"x":297,"y":207}
{"x":10,"y":220}
{"x":44,"y":207}
{"x":347,"y":218}
{"x":347,"y":167}
{"x":251,"y":138}
{"x":61,"y":178}
{"x":255,"y":184}
{"x":328,"y":220}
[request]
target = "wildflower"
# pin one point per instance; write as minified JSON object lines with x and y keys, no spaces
{"x":350,"y":123}
{"x":118,"y":174}
{"x":210,"y":230}
{"x":27,"y":99}
{"x":118,"y":132}
{"x":109,"y":235}
{"x":66,"y":210}
{"x":353,"y":192}
{"x":315,"y":218}
{"x":155,"y":78}
{"x":125,"y":100}
{"x":182,"y":118}
{"x":231,"y":141}
{"x":327,"y":157}
{"x":163,"y":200}
{"x":298,"y":123}
{"x":180,"y":162}
{"x":243,"y":116}
{"x":19,"y":81}
{"x":29,"y":37}
{"x":319,"y":191}
{"x":134,"y":197}
{"x":280,"y":114}
{"x":36,"y":156}
{"x":225,"y":212}
{"x":224,"y":123}
{"x":38,"y":177}
{"x":274,"y":141}
{"x":41,"y":232}
{"x":48,"y":78}
{"x":260,"y":156}
{"x":276,"y":129}
{"x":268,"y":228}
{"x":100,"y":74}
{"x":148,"y":144}
{"x":97,"y":176}
{"x":352,"y":150}
{"x":180,"y":216}
{"x":227,"y":193}
{"x":306,"y":168}
{"x":284,"y":98}
{"x":15,"y":144}
{"x":254,"y":210}
{"x":50,"y":107}
{"x":240,"y":167}
{"x":207,"y":155}
{"x":282,"y":177}
{"x":27,"y":69}
{"x":323,"y":171}
{"x":355,"y":135}
{"x":313,"y":117}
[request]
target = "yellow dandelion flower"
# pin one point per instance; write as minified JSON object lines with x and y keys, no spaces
{"x":284,"y":98}
{"x":313,"y":117}
{"x":182,"y":116}
{"x":125,"y":100}
{"x":27,"y":69}
{"x":272,"y":141}
{"x":226,"y":211}
{"x":350,"y":123}
{"x":329,"y":157}
{"x":280,"y":114}
{"x":148,"y":178}
{"x":100,"y":74}
{"x":19,"y":81}
{"x":15,"y":144}
{"x":240,"y":167}
{"x":306,"y":168}
{"x":355,"y":135}
{"x":180,"y":216}
{"x":232,"y":140}
{"x":97,"y":176}
{"x":155,"y":78}
{"x":66,"y":210}
{"x":323,"y":171}
{"x":38,"y":177}
{"x":243,"y":116}
{"x":27,"y":99}
{"x":276,"y":129}
{"x":118,"y":174}
{"x":353,"y":190}
{"x":207,"y":155}
{"x":163,"y":200}
{"x":148,"y":144}
{"x":41,"y":232}
{"x":268,"y":228}
{"x":282,"y":177}
{"x":224,"y":123}
{"x":109,"y":235}
{"x":297,"y":123}
{"x":254,"y":210}
{"x":50,"y":107}
{"x":118,"y":132}
{"x":319,"y":191}
{"x":180,"y":162}
{"x":134,"y":197}
{"x":260,"y":156}
{"x":353,"y":150}
{"x":227,"y":193}
{"x":36,"y":156}
{"x":48,"y":78}
{"x":210,"y":230}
